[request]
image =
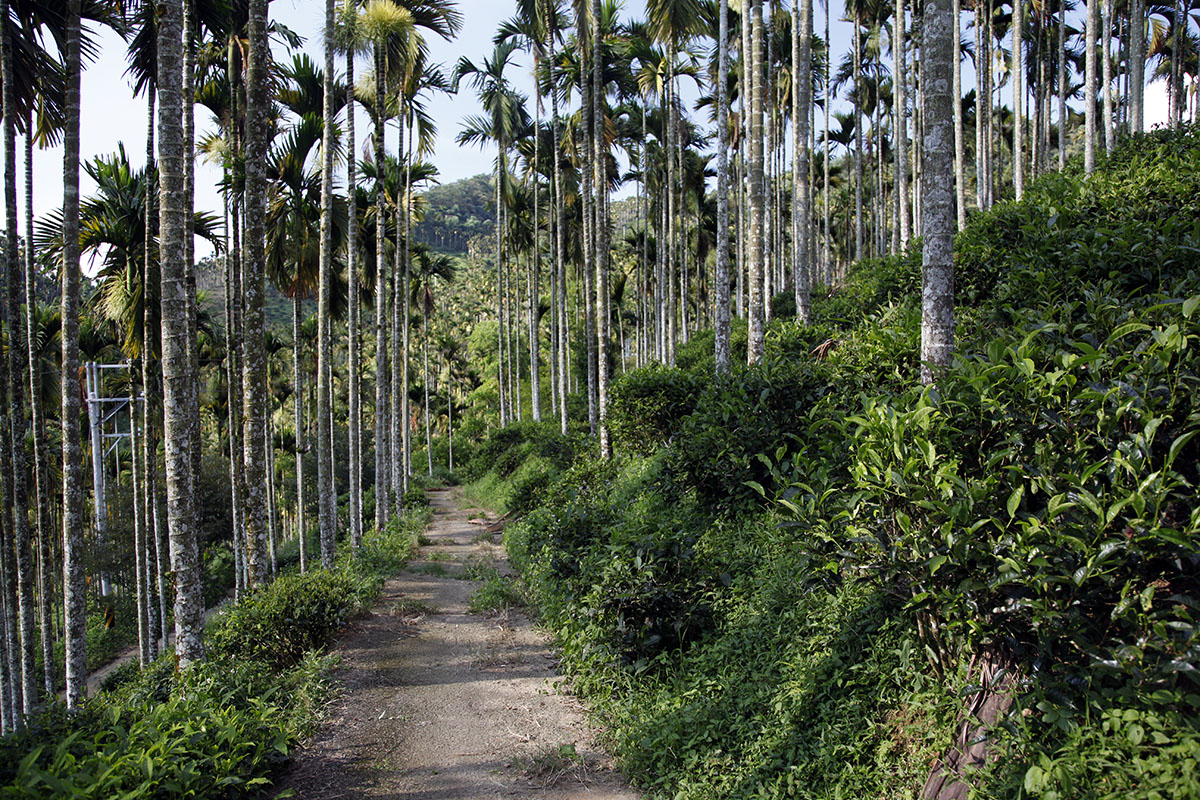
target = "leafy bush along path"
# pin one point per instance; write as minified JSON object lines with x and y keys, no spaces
{"x":440,"y":702}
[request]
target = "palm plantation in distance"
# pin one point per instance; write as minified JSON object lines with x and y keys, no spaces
{"x":238,"y":451}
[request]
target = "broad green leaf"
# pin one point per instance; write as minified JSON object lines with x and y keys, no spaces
{"x":1014,"y":501}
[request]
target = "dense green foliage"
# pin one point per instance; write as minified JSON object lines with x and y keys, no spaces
{"x":221,"y":727}
{"x":783,"y":601}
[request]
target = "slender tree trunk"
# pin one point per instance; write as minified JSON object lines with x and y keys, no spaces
{"x":1137,"y":66}
{"x":960,"y":147}
{"x":254,"y":369}
{"x":672,"y":301}
{"x":535,"y":388}
{"x":189,"y":239}
{"x":828,"y":237}
{"x":599,"y":153}
{"x":1062,"y":88}
{"x":586,"y":155}
{"x":72,"y":468}
{"x":560,"y":257}
{"x":802,"y":31}
{"x":937,"y":328}
{"x":1089,"y":86}
{"x":722,"y":323}
{"x":180,"y":401}
{"x":900,"y":115}
{"x":233,"y":352}
{"x":328,"y":519}
{"x":19,"y":381}
{"x":301,"y":446}
{"x":1106,"y":69}
{"x":500,"y":294}
{"x":406,"y":414}
{"x":383,"y":470}
{"x":1018,"y":94}
{"x":151,"y":413}
{"x":41,"y":461}
{"x":754,"y":347}
{"x":857,"y":100}
{"x":353,"y":333}
{"x":139,"y":560}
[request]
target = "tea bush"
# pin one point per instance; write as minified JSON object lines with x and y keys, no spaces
{"x":784,"y":599}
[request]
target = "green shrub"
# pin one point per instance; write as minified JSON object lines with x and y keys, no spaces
{"x":647,"y":405}
{"x":296,"y":613}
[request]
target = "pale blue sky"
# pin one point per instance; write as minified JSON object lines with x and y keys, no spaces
{"x":112,"y":115}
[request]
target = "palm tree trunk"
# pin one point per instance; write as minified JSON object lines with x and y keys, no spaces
{"x":189,"y":188}
{"x":327,"y":508}
{"x":500,"y":296}
{"x":828,"y":234}
{"x":180,"y":403}
{"x":672,"y":301}
{"x":802,"y":25}
{"x":1018,"y":94}
{"x":19,"y":379}
{"x":383,"y":485}
{"x":535,"y":389}
{"x":151,"y":414}
{"x":353,"y":334}
{"x":399,"y":399}
{"x":425,"y":381}
{"x":1062,"y":88}
{"x":254,"y":369}
{"x":960,"y":147}
{"x":599,"y":164}
{"x":857,"y":100}
{"x":560,"y":258}
{"x":937,"y":329}
{"x":754,"y":347}
{"x":405,"y":380}
{"x":233,"y":350}
{"x":587,"y":111}
{"x":139,"y":559}
{"x":1089,"y":86}
{"x":72,"y":468}
{"x":300,"y":446}
{"x":1107,"y":74}
{"x":722,"y":323}
{"x":1137,"y":66}
{"x":900,"y":117}
{"x":41,"y":461}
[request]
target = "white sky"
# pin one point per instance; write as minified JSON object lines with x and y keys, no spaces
{"x":111,"y":114}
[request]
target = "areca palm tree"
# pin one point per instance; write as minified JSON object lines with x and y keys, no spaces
{"x":673,"y":23}
{"x":259,"y":123}
{"x":73,"y":581}
{"x":325,"y":480}
{"x":180,"y":399}
{"x":504,"y":115}
{"x":722,"y":322}
{"x":939,"y":47}
{"x":387,"y":27}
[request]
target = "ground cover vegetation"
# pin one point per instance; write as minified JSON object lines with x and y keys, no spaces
{"x":223,"y":728}
{"x":788,"y":580}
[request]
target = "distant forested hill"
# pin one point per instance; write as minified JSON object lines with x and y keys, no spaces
{"x":457,"y":212}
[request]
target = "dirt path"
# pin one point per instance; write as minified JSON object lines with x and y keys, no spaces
{"x":442,"y":703}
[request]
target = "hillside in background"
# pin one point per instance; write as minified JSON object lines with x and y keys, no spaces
{"x":457,"y":212}
{"x":210,"y":283}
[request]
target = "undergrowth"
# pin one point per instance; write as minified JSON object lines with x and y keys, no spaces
{"x":780,"y":585}
{"x":221,"y":727}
